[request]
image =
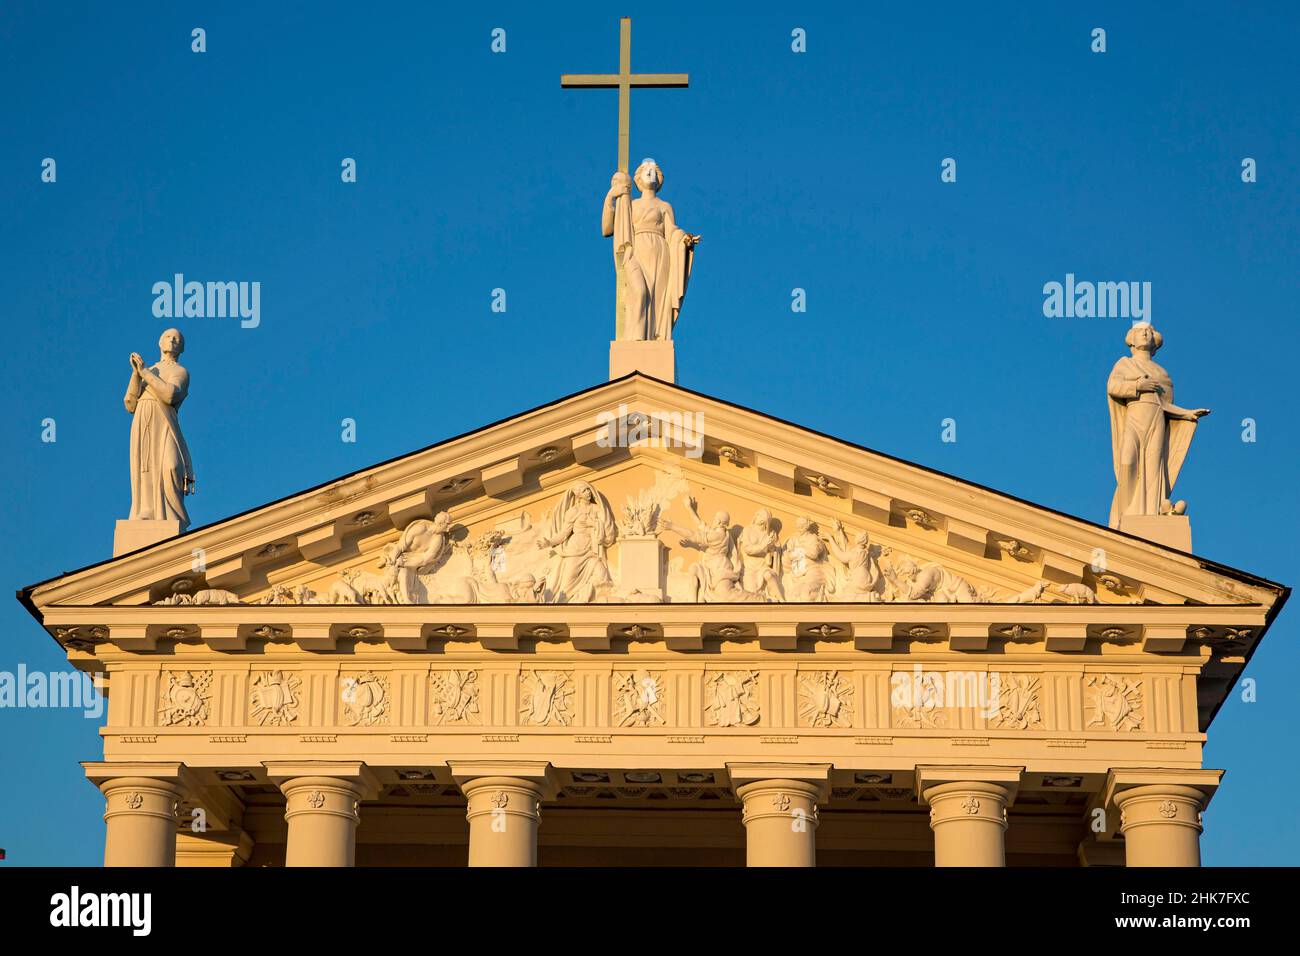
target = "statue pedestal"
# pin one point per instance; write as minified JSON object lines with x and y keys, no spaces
{"x":132,"y":535}
{"x":641,"y":566}
{"x":654,"y":358}
{"x":1173,"y":531}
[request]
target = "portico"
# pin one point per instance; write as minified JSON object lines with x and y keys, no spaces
{"x":490,"y":817}
{"x":953,"y":684}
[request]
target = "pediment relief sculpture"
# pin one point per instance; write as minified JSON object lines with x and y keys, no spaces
{"x":578,"y":552}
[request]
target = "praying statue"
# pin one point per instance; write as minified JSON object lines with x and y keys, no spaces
{"x":1149,"y":434}
{"x":654,"y":254}
{"x":161,"y":471}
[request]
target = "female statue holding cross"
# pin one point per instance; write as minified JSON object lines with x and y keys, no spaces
{"x":654,"y":254}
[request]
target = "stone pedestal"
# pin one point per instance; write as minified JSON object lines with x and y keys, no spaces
{"x":655,"y":358}
{"x":504,"y":808}
{"x":322,"y":807}
{"x":133,"y":535}
{"x":1173,"y":531}
{"x":642,"y":566}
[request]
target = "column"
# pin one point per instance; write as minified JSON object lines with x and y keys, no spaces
{"x":780,"y":810}
{"x":1160,"y":813}
{"x":322,"y":807}
{"x":968,"y":812}
{"x":140,"y":810}
{"x":504,"y":808}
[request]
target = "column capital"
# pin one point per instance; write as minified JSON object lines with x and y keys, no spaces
{"x":929,"y":778}
{"x":1120,"y":780}
{"x":540,"y":773}
{"x":100,"y":772}
{"x":354,"y":772}
{"x":816,"y":777}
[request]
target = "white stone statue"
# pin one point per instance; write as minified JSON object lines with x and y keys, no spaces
{"x":655,"y":255}
{"x":929,"y":582}
{"x":161,"y":471}
{"x":760,"y":556}
{"x":863,"y":580}
{"x":1149,"y":434}
{"x":807,"y":561}
{"x":582,"y":527}
{"x":424,"y":547}
{"x":718,"y":572}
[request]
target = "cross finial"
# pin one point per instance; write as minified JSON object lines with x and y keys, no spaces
{"x":623,"y":81}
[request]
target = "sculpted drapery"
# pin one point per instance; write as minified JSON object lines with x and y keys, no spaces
{"x":654,"y":253}
{"x":582,"y":527}
{"x":161,"y":471}
{"x":1150,"y":435}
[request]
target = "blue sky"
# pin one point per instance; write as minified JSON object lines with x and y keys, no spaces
{"x":818,"y":171}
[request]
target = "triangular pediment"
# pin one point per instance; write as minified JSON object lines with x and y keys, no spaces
{"x":930,"y":537}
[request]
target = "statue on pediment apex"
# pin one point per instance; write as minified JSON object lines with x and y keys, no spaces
{"x":654,"y":254}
